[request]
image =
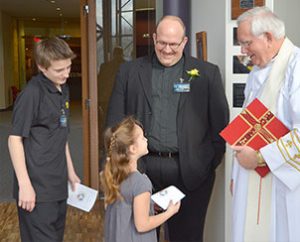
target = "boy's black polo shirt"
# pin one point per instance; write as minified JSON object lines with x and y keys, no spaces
{"x":36,"y":118}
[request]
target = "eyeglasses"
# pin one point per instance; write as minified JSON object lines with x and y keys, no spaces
{"x":246,"y":44}
{"x":173,"y":46}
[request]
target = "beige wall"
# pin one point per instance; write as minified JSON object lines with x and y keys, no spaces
{"x":209,"y":17}
{"x":288,"y":11}
{"x":2,"y":85}
{"x":6,"y":60}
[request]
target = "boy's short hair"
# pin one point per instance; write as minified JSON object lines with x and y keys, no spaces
{"x":52,"y":49}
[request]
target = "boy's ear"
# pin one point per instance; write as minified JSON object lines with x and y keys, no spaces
{"x":42,"y":69}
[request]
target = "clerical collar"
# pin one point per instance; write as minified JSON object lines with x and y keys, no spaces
{"x":156,"y":62}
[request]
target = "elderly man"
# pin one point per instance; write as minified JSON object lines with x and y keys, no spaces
{"x":181,"y":103}
{"x":265,"y":208}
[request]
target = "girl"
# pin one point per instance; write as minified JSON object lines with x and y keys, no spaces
{"x":129,"y":214}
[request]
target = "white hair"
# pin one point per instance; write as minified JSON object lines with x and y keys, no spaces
{"x":263,"y":20}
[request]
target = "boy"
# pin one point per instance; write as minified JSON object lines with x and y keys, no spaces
{"x":39,"y":148}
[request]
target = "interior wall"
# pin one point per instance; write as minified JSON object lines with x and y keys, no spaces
{"x":2,"y":85}
{"x":284,"y":10}
{"x":6,"y":60}
{"x":209,"y":17}
{"x":21,"y":54}
{"x":158,"y":9}
{"x":15,"y":57}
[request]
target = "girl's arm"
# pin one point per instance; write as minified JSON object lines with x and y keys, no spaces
{"x":141,"y":208}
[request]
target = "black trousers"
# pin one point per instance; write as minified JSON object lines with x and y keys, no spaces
{"x":188,"y":224}
{"x":46,"y":223}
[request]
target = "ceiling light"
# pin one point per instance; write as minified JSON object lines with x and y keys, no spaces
{"x":65,"y":36}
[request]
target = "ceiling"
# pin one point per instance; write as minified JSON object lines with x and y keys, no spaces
{"x":45,"y":9}
{"x":41,"y":8}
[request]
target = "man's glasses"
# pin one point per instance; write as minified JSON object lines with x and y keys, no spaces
{"x":248,"y":43}
{"x":173,"y":46}
{"x":245,"y":44}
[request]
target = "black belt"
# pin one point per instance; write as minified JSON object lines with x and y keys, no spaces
{"x":164,"y":154}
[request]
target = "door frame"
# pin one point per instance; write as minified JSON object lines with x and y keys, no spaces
{"x":89,"y":94}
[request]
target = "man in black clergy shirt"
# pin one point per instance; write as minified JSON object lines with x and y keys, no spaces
{"x":181,"y":103}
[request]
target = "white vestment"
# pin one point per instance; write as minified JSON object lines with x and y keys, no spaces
{"x":285,"y":200}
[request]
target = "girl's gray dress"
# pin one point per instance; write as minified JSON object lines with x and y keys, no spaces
{"x":119,"y":220}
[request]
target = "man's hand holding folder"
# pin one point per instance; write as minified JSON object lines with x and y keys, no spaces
{"x":255,"y":126}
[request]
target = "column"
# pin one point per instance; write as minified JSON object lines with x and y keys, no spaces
{"x":181,"y":9}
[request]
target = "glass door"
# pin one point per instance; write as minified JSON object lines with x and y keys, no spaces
{"x":115,"y":44}
{"x":123,"y":31}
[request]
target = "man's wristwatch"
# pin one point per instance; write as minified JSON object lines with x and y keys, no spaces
{"x":260,"y":159}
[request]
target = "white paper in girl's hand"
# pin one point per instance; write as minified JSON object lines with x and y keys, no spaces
{"x":163,"y":197}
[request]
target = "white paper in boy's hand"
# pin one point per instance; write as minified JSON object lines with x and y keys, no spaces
{"x":163,"y":197}
{"x":83,"y":197}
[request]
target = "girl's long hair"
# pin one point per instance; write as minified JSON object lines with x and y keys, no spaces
{"x":117,"y":141}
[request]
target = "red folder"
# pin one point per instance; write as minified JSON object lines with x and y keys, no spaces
{"x":255,"y":126}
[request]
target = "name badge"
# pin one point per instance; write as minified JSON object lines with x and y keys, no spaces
{"x":63,"y":119}
{"x":182,"y":87}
